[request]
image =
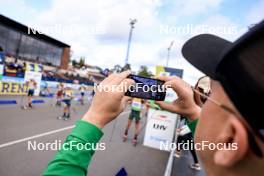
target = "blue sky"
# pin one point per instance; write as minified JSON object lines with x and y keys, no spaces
{"x":40,"y":5}
{"x":98,"y":30}
{"x":234,"y":9}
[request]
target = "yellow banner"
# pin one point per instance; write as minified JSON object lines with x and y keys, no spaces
{"x":159,"y":70}
{"x":12,"y":88}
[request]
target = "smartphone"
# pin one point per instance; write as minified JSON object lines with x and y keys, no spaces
{"x":146,"y":88}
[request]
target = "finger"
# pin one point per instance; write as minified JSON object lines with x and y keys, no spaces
{"x":168,"y":107}
{"x":127,"y":99}
{"x":179,"y":86}
{"x":165,"y":78}
{"x":126,"y":83}
{"x":179,"y":81}
{"x":109,"y":79}
{"x":174,"y":80}
{"x":158,"y":102}
{"x":120,"y":77}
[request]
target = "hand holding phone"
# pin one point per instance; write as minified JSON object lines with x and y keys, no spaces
{"x":147,"y":88}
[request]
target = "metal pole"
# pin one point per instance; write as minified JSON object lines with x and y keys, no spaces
{"x":169,"y":166}
{"x":132,"y":23}
{"x":168,"y":55}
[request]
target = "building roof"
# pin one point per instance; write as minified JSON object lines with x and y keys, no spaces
{"x":24,"y":29}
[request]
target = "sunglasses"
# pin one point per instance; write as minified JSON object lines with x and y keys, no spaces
{"x":206,"y":96}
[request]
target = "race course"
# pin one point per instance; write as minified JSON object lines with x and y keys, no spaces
{"x":18,"y":127}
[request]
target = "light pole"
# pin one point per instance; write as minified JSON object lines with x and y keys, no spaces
{"x":168,"y":56}
{"x":132,"y":23}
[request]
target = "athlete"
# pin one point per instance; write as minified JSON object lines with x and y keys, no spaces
{"x":136,"y":107}
{"x":67,"y":97}
{"x":59,"y":94}
{"x":82,"y":92}
{"x":32,"y":85}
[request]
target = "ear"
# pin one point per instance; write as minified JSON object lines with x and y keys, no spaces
{"x":234,"y":136}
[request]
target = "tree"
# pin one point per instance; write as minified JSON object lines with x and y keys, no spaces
{"x":82,"y":62}
{"x":74,"y":63}
{"x":143,"y":71}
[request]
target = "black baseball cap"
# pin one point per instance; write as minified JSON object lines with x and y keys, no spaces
{"x":238,"y":66}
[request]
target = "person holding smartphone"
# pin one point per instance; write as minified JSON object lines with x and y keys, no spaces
{"x":231,"y":115}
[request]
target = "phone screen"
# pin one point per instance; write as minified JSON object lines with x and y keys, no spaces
{"x":146,"y":88}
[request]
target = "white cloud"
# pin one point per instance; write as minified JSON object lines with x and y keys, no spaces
{"x":256,"y":14}
{"x":222,"y":26}
{"x":112,"y":16}
{"x":107,"y":47}
{"x":192,"y":7}
{"x":10,"y":7}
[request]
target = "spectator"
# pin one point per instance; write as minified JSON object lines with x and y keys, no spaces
{"x":231,"y":116}
{"x":2,"y":56}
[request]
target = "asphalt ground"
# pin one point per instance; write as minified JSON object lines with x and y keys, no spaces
{"x":18,"y":127}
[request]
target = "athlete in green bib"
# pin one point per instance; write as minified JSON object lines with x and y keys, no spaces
{"x":136,"y":107}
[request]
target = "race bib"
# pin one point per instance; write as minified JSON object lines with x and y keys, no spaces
{"x":136,"y":104}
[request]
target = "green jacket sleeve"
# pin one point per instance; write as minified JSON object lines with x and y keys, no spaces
{"x":192,"y":125}
{"x":75,"y":154}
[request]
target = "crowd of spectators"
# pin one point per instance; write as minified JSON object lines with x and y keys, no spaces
{"x":17,"y":68}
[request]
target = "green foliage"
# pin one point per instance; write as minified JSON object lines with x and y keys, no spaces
{"x":79,"y":64}
{"x":143,"y":71}
{"x":74,"y":63}
{"x":82,"y":62}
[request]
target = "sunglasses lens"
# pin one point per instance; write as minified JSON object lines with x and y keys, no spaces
{"x":203,"y":86}
{"x":203,"y":98}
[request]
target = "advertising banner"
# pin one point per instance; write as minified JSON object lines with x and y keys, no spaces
{"x":12,"y":88}
{"x":36,"y":76}
{"x":168,"y":71}
{"x":12,"y":79}
{"x":161,"y":125}
{"x":34,"y":72}
{"x":159,"y":129}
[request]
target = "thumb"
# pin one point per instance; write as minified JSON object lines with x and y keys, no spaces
{"x":126,"y":83}
{"x":168,"y":106}
{"x":126,"y":99}
{"x":165,"y":78}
